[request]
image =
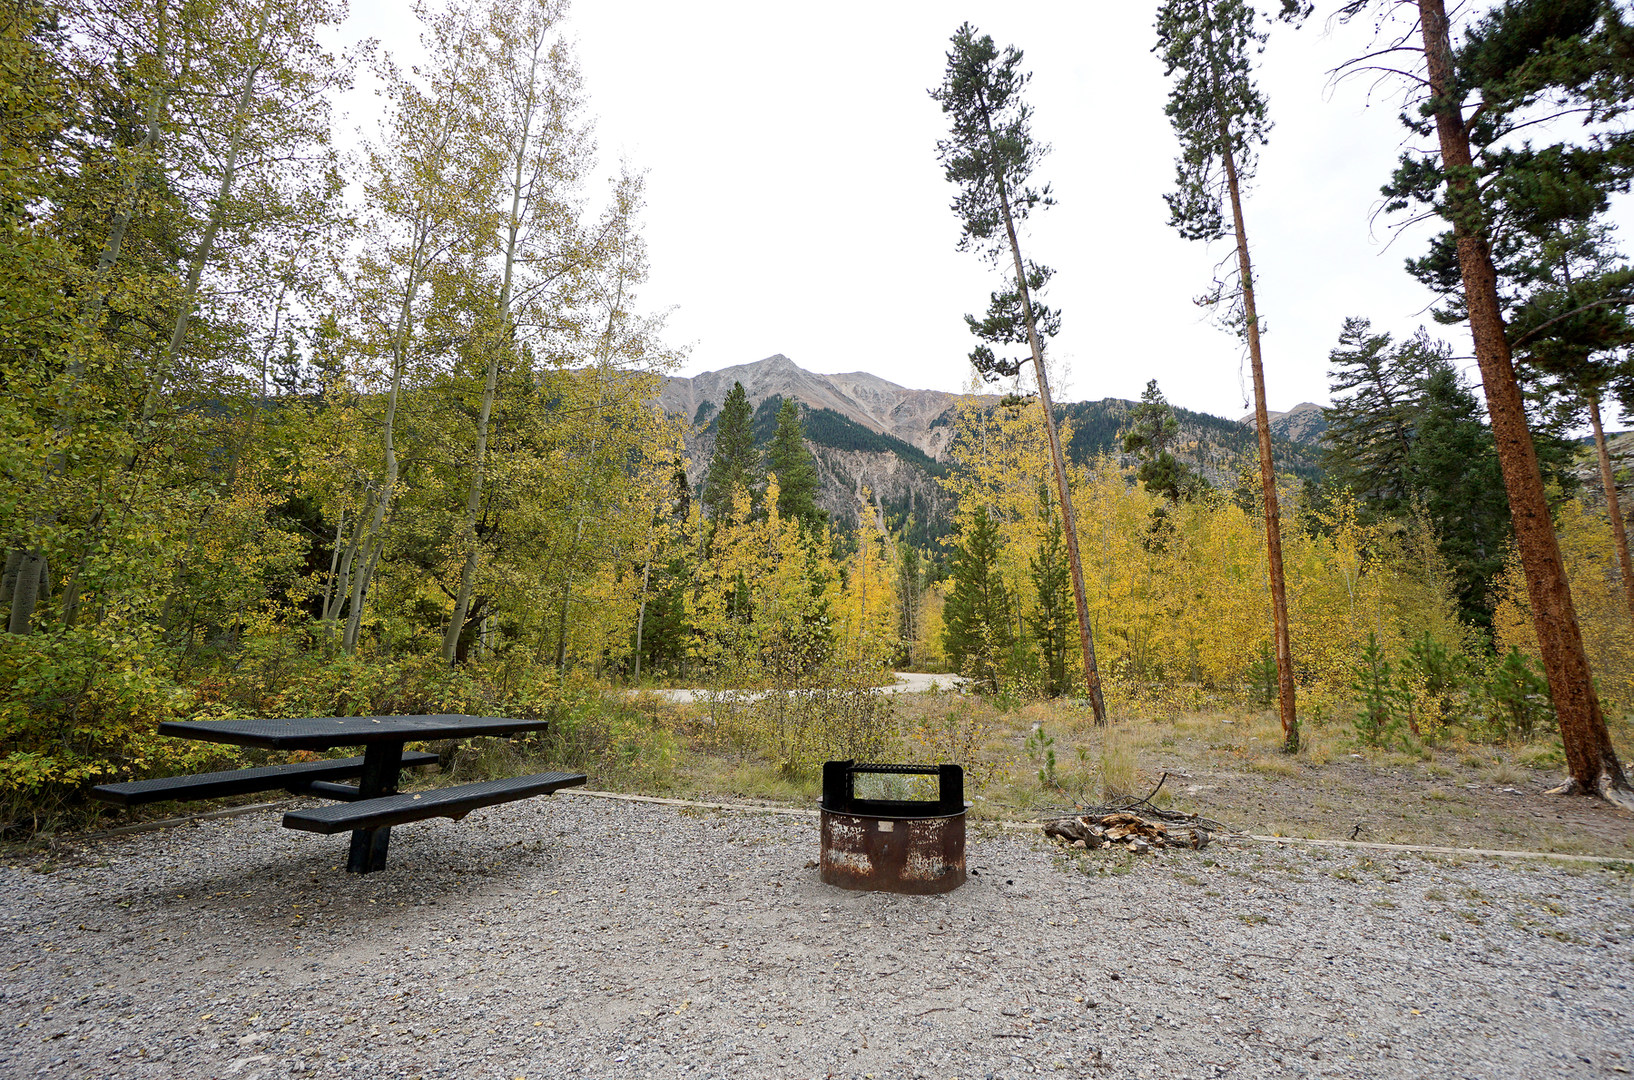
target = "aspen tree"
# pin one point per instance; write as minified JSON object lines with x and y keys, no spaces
{"x":535,"y":136}
{"x":422,"y":193}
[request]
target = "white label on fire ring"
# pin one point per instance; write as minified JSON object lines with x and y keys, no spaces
{"x":885,"y":826}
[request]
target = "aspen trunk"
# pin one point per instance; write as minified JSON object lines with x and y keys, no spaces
{"x":641,"y":618}
{"x":473,"y":497}
{"x":32,"y":580}
{"x":108,"y":257}
{"x":96,"y":295}
{"x":473,"y":504}
{"x":8,"y":581}
{"x":567,"y":595}
{"x":207,"y":243}
{"x":1590,"y":758}
{"x":332,"y":587}
{"x":1619,"y":532}
{"x":1069,"y":521}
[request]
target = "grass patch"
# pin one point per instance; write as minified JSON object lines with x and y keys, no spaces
{"x":1541,"y":756}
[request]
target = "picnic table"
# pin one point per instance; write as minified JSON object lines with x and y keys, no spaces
{"x":368,"y":808}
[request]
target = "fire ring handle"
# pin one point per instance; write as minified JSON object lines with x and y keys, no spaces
{"x":839,"y":790}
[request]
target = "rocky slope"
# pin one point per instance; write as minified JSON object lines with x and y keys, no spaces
{"x":1303,"y":424}
{"x":871,"y":435}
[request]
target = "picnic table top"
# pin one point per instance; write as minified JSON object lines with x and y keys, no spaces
{"x":322,"y":732}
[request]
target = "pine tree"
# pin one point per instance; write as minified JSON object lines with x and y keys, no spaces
{"x":1152,"y":428}
{"x":1408,"y":439}
{"x":732,"y":467}
{"x":990,"y":154}
{"x":1511,"y":59}
{"x":978,"y":626}
{"x":1573,"y":330}
{"x":1459,"y":486}
{"x":1219,"y":116}
{"x":1369,"y":437}
{"x":788,"y":458}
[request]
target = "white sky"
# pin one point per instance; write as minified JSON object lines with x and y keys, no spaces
{"x":795,"y":204}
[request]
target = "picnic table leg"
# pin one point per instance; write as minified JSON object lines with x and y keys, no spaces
{"x":381,"y":763}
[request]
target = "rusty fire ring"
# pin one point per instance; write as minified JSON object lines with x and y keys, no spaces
{"x":893,"y":845}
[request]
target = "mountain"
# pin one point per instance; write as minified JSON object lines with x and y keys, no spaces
{"x":866,"y":400}
{"x":1303,"y":424}
{"x":867,"y":433}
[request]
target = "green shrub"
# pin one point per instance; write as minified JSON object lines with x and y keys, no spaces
{"x":1517,"y":697}
{"x":1262,"y":676}
{"x":1379,"y":717}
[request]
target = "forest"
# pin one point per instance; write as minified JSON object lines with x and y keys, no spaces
{"x":294,"y":430}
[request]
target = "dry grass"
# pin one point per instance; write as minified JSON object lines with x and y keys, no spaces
{"x":1224,"y":764}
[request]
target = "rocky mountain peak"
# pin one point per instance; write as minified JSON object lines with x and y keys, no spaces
{"x":1304,"y":423}
{"x":877,"y":404}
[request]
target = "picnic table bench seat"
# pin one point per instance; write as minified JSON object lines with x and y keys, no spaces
{"x":311,"y":777}
{"x":454,"y":802}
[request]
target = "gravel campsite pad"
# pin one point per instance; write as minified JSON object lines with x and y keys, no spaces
{"x":579,"y":936}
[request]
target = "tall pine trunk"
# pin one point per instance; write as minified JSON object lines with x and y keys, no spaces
{"x":1069,"y":520}
{"x":1590,"y":758}
{"x":1268,"y":476}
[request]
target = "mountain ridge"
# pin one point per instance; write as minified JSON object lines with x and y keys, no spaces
{"x":871,"y":435}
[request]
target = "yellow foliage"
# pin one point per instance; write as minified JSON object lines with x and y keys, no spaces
{"x":1178,"y":593}
{"x":1602,"y":614}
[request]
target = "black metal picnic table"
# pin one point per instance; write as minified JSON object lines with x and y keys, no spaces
{"x":368,"y":810}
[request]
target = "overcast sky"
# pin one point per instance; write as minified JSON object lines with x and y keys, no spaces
{"x":795,"y":204}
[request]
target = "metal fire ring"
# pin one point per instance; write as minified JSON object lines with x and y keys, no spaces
{"x":893,"y":845}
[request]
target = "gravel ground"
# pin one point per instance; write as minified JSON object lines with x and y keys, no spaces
{"x":577,"y":936}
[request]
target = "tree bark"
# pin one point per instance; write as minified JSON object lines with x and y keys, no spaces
{"x":1268,"y":476}
{"x":1069,"y":520}
{"x":567,"y":596}
{"x":1590,"y":758}
{"x":640,"y":619}
{"x":1619,"y":533}
{"x":207,"y":243}
{"x":8,"y":581}
{"x":473,"y":498}
{"x":33,"y":579}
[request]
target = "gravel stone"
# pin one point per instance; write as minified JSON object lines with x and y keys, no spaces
{"x":585,"y":937}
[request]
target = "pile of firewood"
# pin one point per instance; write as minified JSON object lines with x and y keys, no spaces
{"x":1129,"y":831}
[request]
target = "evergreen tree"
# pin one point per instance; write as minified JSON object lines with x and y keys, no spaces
{"x":1407,"y":437}
{"x":1152,"y":428}
{"x":796,"y":472}
{"x":1052,"y":614}
{"x":1474,"y":99}
{"x":990,"y":155}
{"x":978,"y":628}
{"x":1369,"y":436}
{"x":1459,"y":486}
{"x":1572,"y":331}
{"x":1219,"y":116}
{"x":732,"y":467}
